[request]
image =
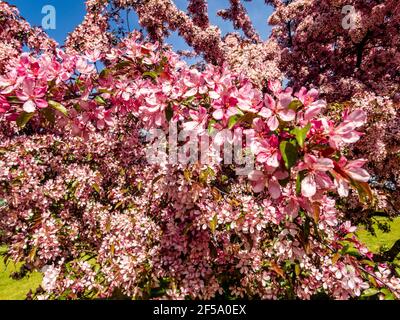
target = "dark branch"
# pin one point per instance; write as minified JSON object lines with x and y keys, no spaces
{"x":360,"y":49}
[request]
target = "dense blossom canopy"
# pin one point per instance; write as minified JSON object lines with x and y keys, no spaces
{"x":81,"y":202}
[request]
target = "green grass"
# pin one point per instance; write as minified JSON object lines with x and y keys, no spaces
{"x":15,"y":289}
{"x":382,"y":239}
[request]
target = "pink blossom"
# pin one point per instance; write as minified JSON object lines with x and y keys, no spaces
{"x":353,"y":169}
{"x":267,"y":151}
{"x":272,"y":110}
{"x":307,"y":97}
{"x":345,"y":132}
{"x":316,"y":176}
{"x":84,"y":172}
{"x":259,"y":181}
{"x":275,"y":86}
{"x":4,"y":105}
{"x":199,"y":118}
{"x":31,"y":93}
{"x":348,"y":228}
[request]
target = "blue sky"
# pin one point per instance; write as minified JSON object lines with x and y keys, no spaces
{"x":69,"y":13}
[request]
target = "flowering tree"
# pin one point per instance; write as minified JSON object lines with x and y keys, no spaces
{"x":350,"y":51}
{"x":341,"y":51}
{"x":81,"y":201}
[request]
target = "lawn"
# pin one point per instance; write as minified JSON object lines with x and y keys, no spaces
{"x":16,"y":289}
{"x":374,"y":243}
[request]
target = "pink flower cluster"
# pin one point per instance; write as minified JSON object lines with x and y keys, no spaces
{"x":80,"y":201}
{"x":15,"y":32}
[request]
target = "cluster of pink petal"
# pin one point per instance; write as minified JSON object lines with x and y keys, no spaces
{"x":308,"y":46}
{"x":248,"y":55}
{"x":358,"y":67}
{"x":83,"y":203}
{"x":92,"y":34}
{"x":237,"y":13}
{"x":15,"y":32}
{"x":317,"y":49}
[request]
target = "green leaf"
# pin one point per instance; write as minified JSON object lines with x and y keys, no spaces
{"x":13,"y":99}
{"x":306,"y":228}
{"x":104,"y":73}
{"x":240,"y":112}
{"x":300,"y":177}
{"x":388,"y":294}
{"x":24,"y":118}
{"x":105,"y":91}
{"x":189,"y":100}
{"x":32,"y":254}
{"x":214,"y":223}
{"x":297,"y":269}
{"x":289,"y":153}
{"x":368,"y":262}
{"x":370,"y":292}
{"x":211,"y":128}
{"x":119,"y":204}
{"x":123,"y":64}
{"x":100,"y":100}
{"x":151,"y":74}
{"x":3,"y":203}
{"x":187,"y":228}
{"x":345,"y":249}
{"x":301,"y":134}
{"x":156,"y":179}
{"x":295,"y":104}
{"x":248,"y":117}
{"x":205,"y":174}
{"x":96,"y":187}
{"x":364,"y":191}
{"x":233,"y":120}
{"x":58,"y":106}
{"x":169,"y":113}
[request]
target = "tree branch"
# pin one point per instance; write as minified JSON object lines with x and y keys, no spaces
{"x":360,"y":49}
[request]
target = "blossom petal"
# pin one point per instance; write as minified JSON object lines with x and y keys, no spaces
{"x":287,"y":115}
{"x":255,"y":175}
{"x":214,"y":95}
{"x":273,"y":123}
{"x":357,"y":117}
{"x":41,"y":103}
{"x":274,"y":189}
{"x":265,"y":113}
{"x":273,"y":161}
{"x":308,"y":186}
{"x":218,"y":114}
{"x":275,"y":86}
{"x":29,"y":106}
{"x":323,"y":164}
{"x":269,"y":102}
{"x":342,"y":187}
{"x":358,"y":174}
{"x":314,"y":109}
